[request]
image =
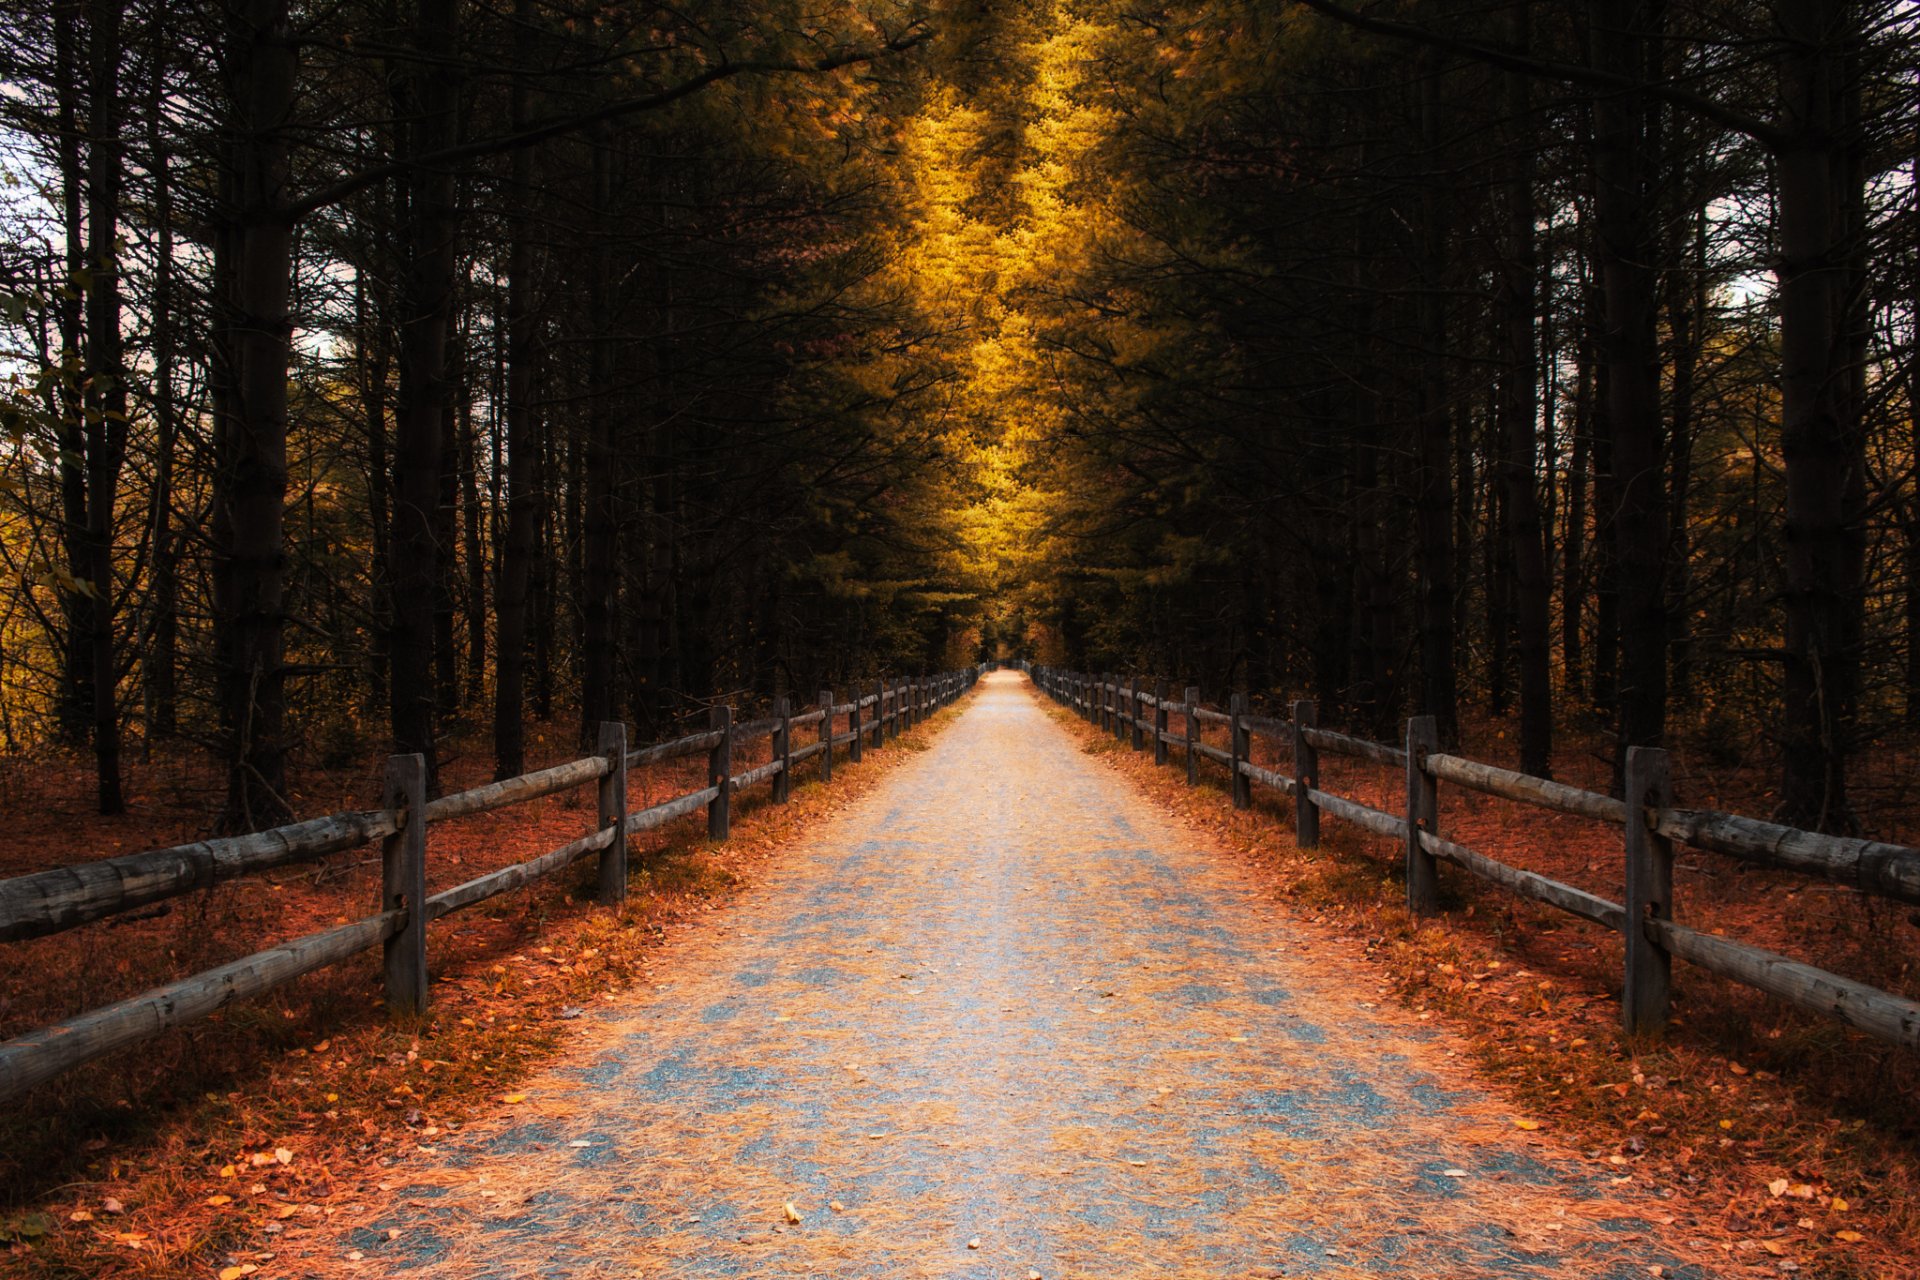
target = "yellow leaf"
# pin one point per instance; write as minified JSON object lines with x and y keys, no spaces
{"x":1851,"y":1237}
{"x":285,"y":1211}
{"x":514,"y":1097}
{"x":836,"y":1206}
{"x":1526,"y":1124}
{"x":80,"y":1215}
{"x":228,"y":1171}
{"x":283,"y":1155}
{"x":217,"y":1201}
{"x":1839,"y":1205}
{"x":793,"y":1214}
{"x":1778,"y":1186}
{"x":1773,"y":1246}
{"x":232,"y":1273}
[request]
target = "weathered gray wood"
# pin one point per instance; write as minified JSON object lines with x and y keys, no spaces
{"x":1241,"y":745}
{"x":1649,"y":969}
{"x":879,"y":713}
{"x":1160,"y":723}
{"x":47,"y":902}
{"x":757,"y":774}
{"x":1206,"y":715}
{"x":1344,"y":745}
{"x":804,"y":718}
{"x":512,"y":791}
{"x":1528,"y":884}
{"x":1381,"y":823}
{"x":40,"y":1055}
{"x":494,"y":883}
{"x":826,"y":736}
{"x":1190,"y":731}
{"x":613,"y":813}
{"x":403,"y":886}
{"x":1136,"y":717}
{"x":783,"y":752}
{"x":856,"y":737}
{"x":1306,"y":771}
{"x":1266,"y":777}
{"x":668,"y":810}
{"x":1876,"y":1012}
{"x":1423,"y":815}
{"x":1268,"y":727}
{"x":754,"y":729}
{"x":1214,"y":753}
{"x":1887,"y":870}
{"x":719,"y":770}
{"x":1527,"y":789}
{"x":807,"y":752}
{"x":691,"y":745}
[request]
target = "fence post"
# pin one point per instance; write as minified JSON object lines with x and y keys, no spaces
{"x":1240,"y":741}
{"x":1645,"y":1001}
{"x":879,"y":714}
{"x":1306,"y":777}
{"x":1423,"y":814}
{"x":826,"y":736}
{"x":1133,"y":704}
{"x":1160,"y":722}
{"x":613,"y":812}
{"x":783,"y":749}
{"x":720,"y":773}
{"x":853,"y":725}
{"x":1193,"y":736}
{"x":403,"y":887}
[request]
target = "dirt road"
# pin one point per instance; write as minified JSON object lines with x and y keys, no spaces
{"x":1002,"y":1019}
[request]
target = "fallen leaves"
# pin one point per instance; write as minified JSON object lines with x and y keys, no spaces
{"x":792,"y":1214}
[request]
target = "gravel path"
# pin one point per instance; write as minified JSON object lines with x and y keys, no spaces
{"x":1002,"y":1018}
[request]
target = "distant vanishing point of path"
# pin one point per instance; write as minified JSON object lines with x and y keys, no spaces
{"x":1003,"y":1018}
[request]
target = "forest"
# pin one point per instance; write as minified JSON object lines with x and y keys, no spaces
{"x":381,"y":373}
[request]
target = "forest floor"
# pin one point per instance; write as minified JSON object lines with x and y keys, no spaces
{"x":1287,"y":1077}
{"x":162,"y":1160}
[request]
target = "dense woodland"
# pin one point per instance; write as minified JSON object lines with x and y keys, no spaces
{"x":378,"y":372}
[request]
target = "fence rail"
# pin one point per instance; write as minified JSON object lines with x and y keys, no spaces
{"x":53,"y":901}
{"x":1651,"y":826}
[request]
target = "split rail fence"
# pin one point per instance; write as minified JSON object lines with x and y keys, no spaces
{"x":1650,"y":824}
{"x":53,"y":901}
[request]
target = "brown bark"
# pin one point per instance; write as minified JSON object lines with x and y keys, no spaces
{"x":430,"y":101}
{"x":1820,"y":437}
{"x":1626,"y":160}
{"x":106,"y":386}
{"x":251,"y":484}
{"x":1532,"y":584}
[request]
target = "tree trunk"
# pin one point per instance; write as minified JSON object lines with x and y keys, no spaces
{"x":598,"y":527}
{"x":373,"y":361}
{"x":523,"y":446}
{"x":1432,"y":480}
{"x":476,"y":554}
{"x":74,"y":709}
{"x":1626,"y":163}
{"x":1820,"y":437}
{"x":251,"y":481}
{"x":430,"y":125}
{"x":106,"y":386}
{"x":159,"y":664}
{"x":1532,"y":584}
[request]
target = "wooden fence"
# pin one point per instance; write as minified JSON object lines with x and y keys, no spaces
{"x":1650,"y":826}
{"x":53,"y":901}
